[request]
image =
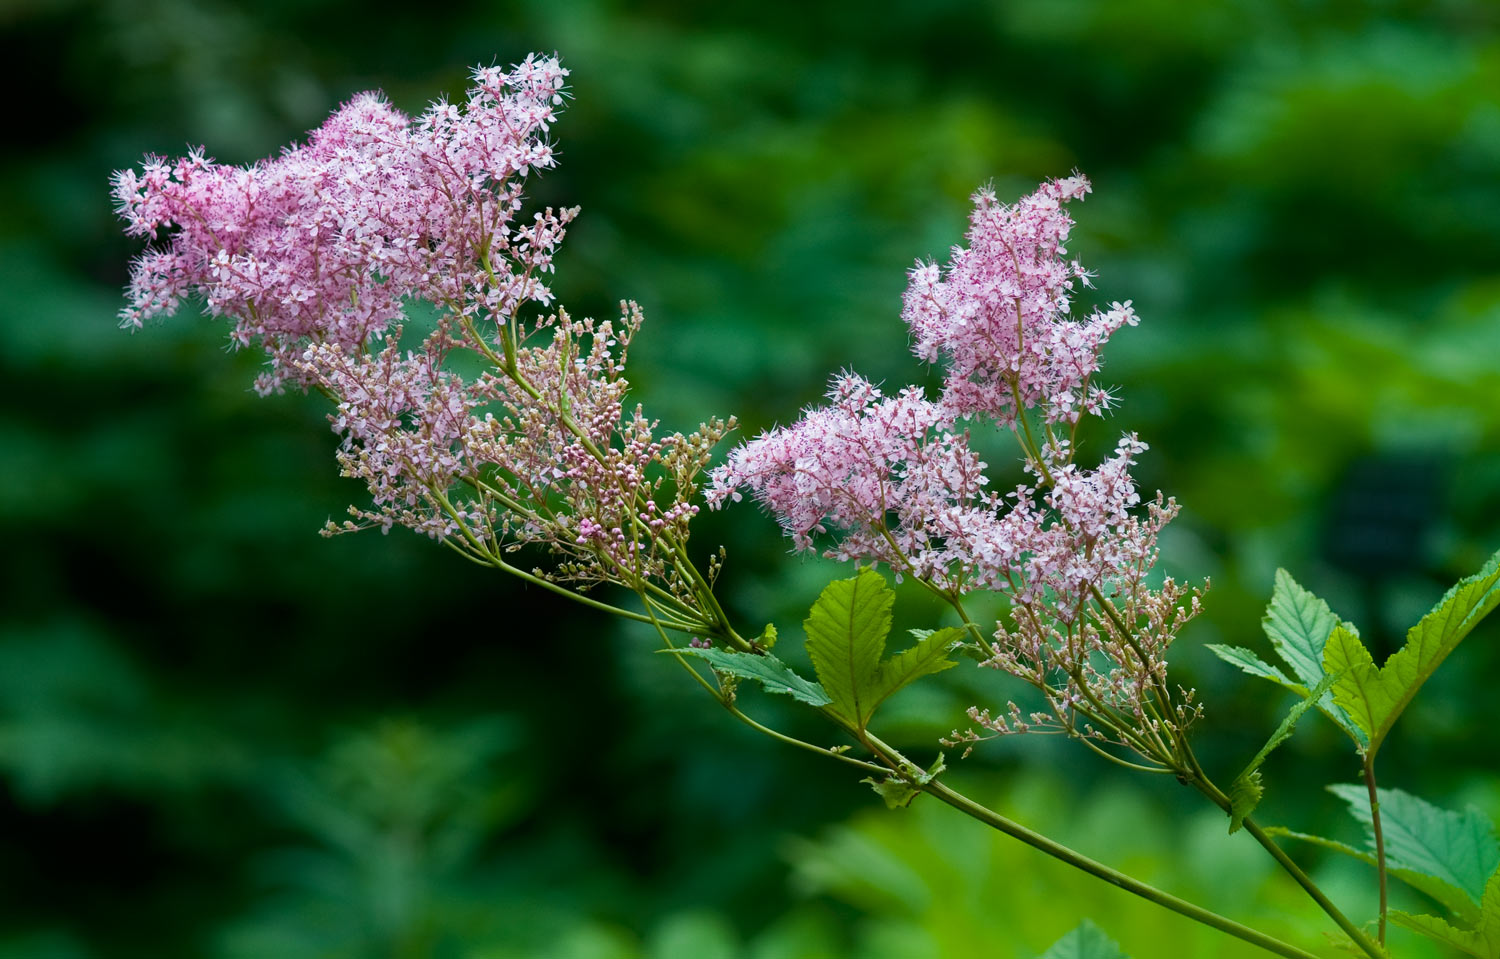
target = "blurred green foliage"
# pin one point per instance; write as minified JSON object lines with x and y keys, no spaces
{"x":221,"y":735}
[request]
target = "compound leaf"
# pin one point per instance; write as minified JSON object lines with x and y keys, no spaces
{"x":846,"y":635}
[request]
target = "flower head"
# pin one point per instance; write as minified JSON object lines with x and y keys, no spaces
{"x":895,"y":480}
{"x":319,"y":257}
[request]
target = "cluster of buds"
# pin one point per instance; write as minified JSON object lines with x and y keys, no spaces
{"x":319,"y":255}
{"x":896,"y":480}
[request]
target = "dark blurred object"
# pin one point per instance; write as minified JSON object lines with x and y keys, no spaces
{"x":1382,"y":514}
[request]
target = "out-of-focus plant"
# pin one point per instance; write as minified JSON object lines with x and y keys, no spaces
{"x":387,"y":264}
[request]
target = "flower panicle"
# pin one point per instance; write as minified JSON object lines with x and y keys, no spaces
{"x":317,"y":256}
{"x":897,"y":480}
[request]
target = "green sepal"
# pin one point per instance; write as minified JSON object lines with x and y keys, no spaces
{"x":1245,"y":793}
{"x":898,"y":792}
{"x":846,"y":634}
{"x":1481,"y":941}
{"x":767,"y":639}
{"x":1374,"y":697}
{"x":770,"y":672}
{"x":1086,"y":941}
{"x":1246,"y":790}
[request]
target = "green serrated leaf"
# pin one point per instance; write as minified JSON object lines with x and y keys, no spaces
{"x":846,"y":632}
{"x":929,"y":655}
{"x":846,"y":636}
{"x":1482,"y":940}
{"x":770,"y":672}
{"x":1244,"y":795}
{"x":1246,"y":661}
{"x":1376,"y":697}
{"x":1299,"y":625}
{"x":1458,"y":848}
{"x":767,"y":639}
{"x":1358,"y":692}
{"x":897,"y":793}
{"x":1449,"y":895}
{"x":1246,"y":790}
{"x":1086,"y":941}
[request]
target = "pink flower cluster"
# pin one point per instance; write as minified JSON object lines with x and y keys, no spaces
{"x":895,"y":480}
{"x":998,"y":314}
{"x":327,"y":242}
{"x":320,"y":254}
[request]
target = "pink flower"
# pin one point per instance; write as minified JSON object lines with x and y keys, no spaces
{"x":894,"y":479}
{"x":318,"y":255}
{"x":330,"y":240}
{"x":998,"y":315}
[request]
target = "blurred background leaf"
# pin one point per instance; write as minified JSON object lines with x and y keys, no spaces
{"x":221,"y":735}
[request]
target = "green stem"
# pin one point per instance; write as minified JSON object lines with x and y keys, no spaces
{"x":1078,"y":860}
{"x":1350,"y":929}
{"x":1217,"y":797}
{"x":728,"y":703}
{"x":1114,"y":877}
{"x":1380,"y":867}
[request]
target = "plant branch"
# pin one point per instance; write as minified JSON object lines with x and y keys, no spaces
{"x":1380,"y":866}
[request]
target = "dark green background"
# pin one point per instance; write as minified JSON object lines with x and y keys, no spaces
{"x":223,"y":736}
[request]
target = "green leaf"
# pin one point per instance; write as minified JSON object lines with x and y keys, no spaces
{"x":1483,"y":940}
{"x":1087,"y":941}
{"x":846,"y":634}
{"x":1449,"y":895}
{"x":1298,"y":624}
{"x":1458,"y":848}
{"x":770,"y":672}
{"x":898,"y":792}
{"x":1376,"y":697}
{"x":929,"y":655}
{"x":1246,"y":790}
{"x":1358,"y":692}
{"x":1244,"y":795}
{"x":1250,"y":663}
{"x":767,"y":639}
